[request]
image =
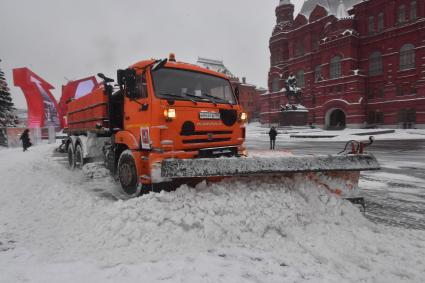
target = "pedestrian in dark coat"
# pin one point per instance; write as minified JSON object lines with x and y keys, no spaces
{"x":25,"y":138}
{"x":272,"y":135}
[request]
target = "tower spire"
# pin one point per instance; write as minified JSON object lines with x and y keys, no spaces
{"x":342,"y":11}
{"x":284,"y":2}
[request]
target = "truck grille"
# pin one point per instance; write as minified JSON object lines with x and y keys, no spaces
{"x":206,"y":140}
{"x":200,"y":133}
{"x":188,"y":129}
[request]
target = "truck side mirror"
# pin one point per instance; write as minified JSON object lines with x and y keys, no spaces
{"x":237,"y":92}
{"x":108,"y":89}
{"x":127,"y":80}
{"x":120,"y":77}
{"x":143,"y":86}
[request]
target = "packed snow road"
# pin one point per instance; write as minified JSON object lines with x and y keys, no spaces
{"x":395,"y":195}
{"x":57,"y":225}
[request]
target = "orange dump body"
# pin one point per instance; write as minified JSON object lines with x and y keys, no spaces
{"x":89,"y":112}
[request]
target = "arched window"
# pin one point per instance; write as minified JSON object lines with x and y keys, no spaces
{"x":401,"y":14}
{"x":407,"y":57}
{"x":380,"y":22}
{"x":273,"y":60}
{"x":413,"y":8}
{"x":371,"y":24}
{"x":335,"y":71}
{"x":315,"y":41}
{"x":318,"y":73}
{"x":275,"y":85}
{"x":375,"y":64}
{"x":300,"y":78}
{"x":313,"y":99}
{"x":299,"y":47}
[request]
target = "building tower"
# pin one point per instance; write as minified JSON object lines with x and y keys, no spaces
{"x":279,"y":55}
{"x":279,"y":42}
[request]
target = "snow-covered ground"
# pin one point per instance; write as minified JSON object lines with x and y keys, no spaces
{"x":57,"y":226}
{"x":293,"y":134}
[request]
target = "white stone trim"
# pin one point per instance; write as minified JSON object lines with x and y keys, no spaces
{"x":272,"y":112}
{"x":398,"y":100}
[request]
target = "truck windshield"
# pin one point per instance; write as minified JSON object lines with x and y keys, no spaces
{"x":189,"y":85}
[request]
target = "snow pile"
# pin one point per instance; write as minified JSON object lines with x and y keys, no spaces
{"x":257,"y":131}
{"x":95,"y":170}
{"x":57,"y":225}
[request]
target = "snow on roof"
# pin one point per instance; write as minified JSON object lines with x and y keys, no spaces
{"x":348,"y":32}
{"x":338,"y":8}
{"x":215,"y":65}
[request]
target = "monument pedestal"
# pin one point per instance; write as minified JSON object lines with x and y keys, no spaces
{"x":293,"y":116}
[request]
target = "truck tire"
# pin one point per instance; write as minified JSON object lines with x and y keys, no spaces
{"x":78,"y":157}
{"x":71,"y":157}
{"x":127,"y":173}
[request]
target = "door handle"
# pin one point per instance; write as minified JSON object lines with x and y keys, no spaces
{"x":144,"y":107}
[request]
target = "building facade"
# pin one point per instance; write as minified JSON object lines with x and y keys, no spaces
{"x":359,"y":63}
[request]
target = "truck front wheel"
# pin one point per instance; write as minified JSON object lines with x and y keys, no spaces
{"x":127,"y":173}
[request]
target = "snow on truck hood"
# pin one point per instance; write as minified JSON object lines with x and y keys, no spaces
{"x":57,"y":226}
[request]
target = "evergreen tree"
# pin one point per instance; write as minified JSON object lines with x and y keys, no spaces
{"x":7,"y":118}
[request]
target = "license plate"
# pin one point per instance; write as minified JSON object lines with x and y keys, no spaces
{"x":207,"y":115}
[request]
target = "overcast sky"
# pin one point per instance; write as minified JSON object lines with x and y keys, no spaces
{"x":67,"y":40}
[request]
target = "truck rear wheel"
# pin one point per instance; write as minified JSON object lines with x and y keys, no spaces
{"x":127,"y":173}
{"x":71,"y":156}
{"x":78,"y":157}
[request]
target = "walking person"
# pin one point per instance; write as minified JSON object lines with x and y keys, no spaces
{"x":25,"y":138}
{"x":272,"y":135}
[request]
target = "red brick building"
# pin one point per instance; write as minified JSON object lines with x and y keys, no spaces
{"x":248,"y":97}
{"x":358,"y":62}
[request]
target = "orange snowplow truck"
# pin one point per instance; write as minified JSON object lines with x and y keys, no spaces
{"x":166,"y":123}
{"x":160,"y":109}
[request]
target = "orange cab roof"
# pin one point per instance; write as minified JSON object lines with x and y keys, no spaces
{"x":180,"y":65}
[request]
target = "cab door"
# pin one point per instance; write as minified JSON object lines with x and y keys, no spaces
{"x":138,"y":109}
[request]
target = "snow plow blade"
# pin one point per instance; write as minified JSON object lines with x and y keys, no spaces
{"x":249,"y":166}
{"x":338,"y":174}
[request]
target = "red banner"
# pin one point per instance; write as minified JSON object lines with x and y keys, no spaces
{"x":43,"y":110}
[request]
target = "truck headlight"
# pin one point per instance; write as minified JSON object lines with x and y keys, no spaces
{"x":170,"y":114}
{"x":243,"y":116}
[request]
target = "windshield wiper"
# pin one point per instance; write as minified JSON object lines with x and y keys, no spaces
{"x":198,"y":97}
{"x":219,"y":98}
{"x":177,"y":96}
{"x":170,"y":94}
